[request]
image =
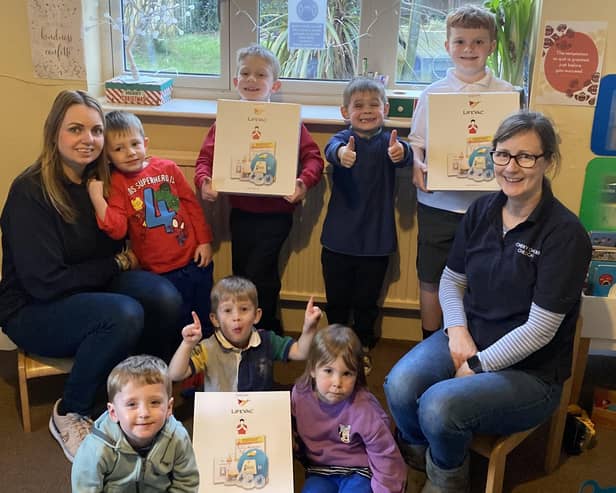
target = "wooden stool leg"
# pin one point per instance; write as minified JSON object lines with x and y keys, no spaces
{"x":579,"y":368}
{"x":496,"y":473}
{"x":23,"y":392}
{"x":557,"y":430}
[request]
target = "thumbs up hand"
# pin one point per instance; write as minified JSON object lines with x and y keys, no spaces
{"x":395,"y":151}
{"x":347,"y":154}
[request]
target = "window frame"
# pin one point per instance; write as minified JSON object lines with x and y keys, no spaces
{"x":237,"y":30}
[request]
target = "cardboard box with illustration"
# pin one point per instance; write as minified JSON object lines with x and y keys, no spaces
{"x":242,"y":441}
{"x":256,"y":147}
{"x":459,"y":138}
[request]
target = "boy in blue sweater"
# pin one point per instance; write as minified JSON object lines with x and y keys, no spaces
{"x":359,"y":233}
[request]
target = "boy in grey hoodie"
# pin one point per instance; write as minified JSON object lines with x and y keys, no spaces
{"x":136,"y":445}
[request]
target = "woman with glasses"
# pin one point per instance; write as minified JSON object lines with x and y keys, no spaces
{"x":510,"y":295}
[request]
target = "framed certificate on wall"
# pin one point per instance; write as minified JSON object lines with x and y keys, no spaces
{"x":256,"y":149}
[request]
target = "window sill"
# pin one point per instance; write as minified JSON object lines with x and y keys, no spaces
{"x":199,"y":109}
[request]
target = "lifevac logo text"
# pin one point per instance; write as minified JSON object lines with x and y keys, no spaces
{"x":242,"y":407}
{"x":242,"y":411}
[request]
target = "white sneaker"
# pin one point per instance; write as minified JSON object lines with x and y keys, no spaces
{"x":69,"y":430}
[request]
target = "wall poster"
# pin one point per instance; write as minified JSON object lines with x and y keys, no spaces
{"x":571,"y":63}
{"x":56,"y":39}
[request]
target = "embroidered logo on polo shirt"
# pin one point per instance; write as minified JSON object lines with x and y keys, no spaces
{"x":526,"y":250}
{"x":344,"y":432}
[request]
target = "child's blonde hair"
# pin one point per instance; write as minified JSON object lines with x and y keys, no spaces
{"x":362,"y":84}
{"x":121,"y":122}
{"x":334,"y":341}
{"x":233,"y":287}
{"x":472,"y":17}
{"x":143,"y":369}
{"x":261,"y":52}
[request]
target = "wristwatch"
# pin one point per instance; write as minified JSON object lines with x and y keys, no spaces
{"x":474,"y":364}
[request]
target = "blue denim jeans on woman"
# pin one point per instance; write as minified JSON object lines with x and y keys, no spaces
{"x":430,"y":407}
{"x":138,"y":313}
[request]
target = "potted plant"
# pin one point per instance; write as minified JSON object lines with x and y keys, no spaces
{"x":514,"y":22}
{"x":153,"y":20}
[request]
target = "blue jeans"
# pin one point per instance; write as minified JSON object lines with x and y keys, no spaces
{"x":430,"y":407}
{"x":338,"y":483}
{"x":195,"y":285}
{"x":138,"y":313}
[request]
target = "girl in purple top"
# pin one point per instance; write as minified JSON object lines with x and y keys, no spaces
{"x":343,"y":430}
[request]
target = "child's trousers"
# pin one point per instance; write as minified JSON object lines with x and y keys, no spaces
{"x":337,"y":483}
{"x":256,"y":241}
{"x":353,"y":286}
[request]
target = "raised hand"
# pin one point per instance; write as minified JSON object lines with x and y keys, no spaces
{"x":191,"y":333}
{"x":347,"y":154}
{"x":312,"y":316}
{"x":395,"y":151}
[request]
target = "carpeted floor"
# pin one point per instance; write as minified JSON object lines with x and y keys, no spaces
{"x":34,"y":463}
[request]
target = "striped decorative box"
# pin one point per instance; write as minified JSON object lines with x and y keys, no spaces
{"x":152,"y":91}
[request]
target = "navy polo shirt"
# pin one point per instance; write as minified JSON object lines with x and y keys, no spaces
{"x":542,"y":260}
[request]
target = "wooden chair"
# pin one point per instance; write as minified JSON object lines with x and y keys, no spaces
{"x":32,"y":366}
{"x":496,"y":448}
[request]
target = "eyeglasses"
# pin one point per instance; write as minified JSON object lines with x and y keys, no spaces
{"x":524,"y":160}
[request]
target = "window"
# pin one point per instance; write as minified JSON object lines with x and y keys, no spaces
{"x":339,"y":59}
{"x":422,"y":57}
{"x":196,"y":41}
